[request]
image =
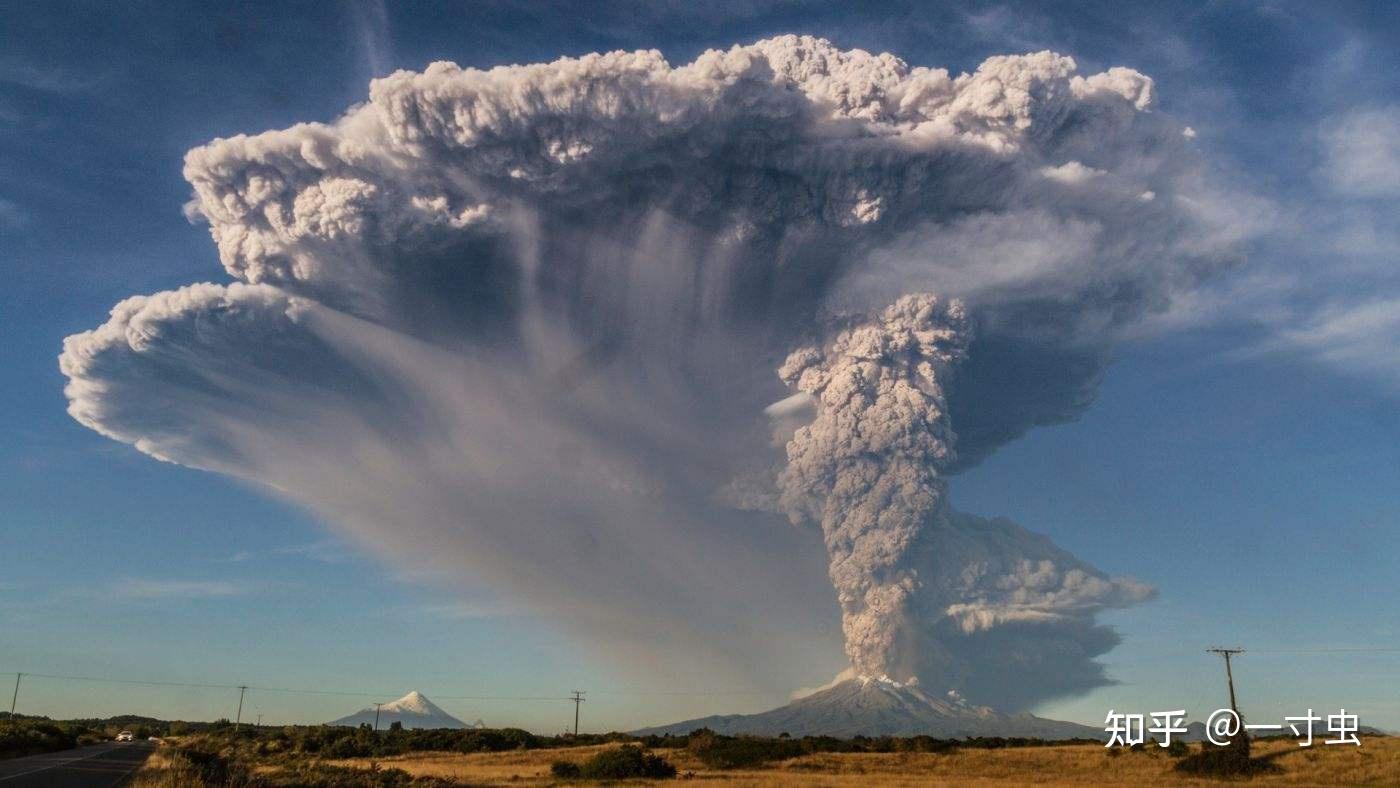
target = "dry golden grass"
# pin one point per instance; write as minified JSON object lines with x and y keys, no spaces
{"x":157,"y":771}
{"x":1376,"y":762}
{"x":516,"y":767}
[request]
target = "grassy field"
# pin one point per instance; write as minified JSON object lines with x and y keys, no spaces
{"x":1377,"y":762}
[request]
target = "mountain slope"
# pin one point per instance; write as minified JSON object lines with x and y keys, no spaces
{"x":870,"y":707}
{"x":413,"y":710}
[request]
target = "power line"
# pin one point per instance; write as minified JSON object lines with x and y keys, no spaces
{"x":696,"y":693}
{"x":131,"y":681}
{"x":382,"y":694}
{"x":257,"y":688}
{"x":1326,"y":651}
{"x":355,"y":694}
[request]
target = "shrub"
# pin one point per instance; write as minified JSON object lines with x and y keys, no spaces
{"x":32,"y":737}
{"x":348,"y":747}
{"x":496,"y":740}
{"x":626,"y":762}
{"x":737,"y":752}
{"x":565,"y":770}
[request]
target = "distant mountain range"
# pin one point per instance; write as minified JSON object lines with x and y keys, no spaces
{"x":875,"y":707}
{"x":413,"y":711}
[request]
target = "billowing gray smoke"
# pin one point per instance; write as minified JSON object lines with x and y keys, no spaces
{"x":870,"y":467}
{"x":520,"y":326}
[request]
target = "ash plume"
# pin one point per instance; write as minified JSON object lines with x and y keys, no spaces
{"x":520,"y":326}
{"x":869,"y":468}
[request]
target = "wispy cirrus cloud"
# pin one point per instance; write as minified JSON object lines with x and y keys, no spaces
{"x":1362,"y":152}
{"x":42,"y":77}
{"x":138,"y":588}
{"x":1357,"y":337}
{"x":325,"y":551}
{"x":468,"y":610}
{"x":1350,"y":245}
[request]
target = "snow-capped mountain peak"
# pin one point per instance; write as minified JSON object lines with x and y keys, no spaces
{"x":414,"y":702}
{"x":413,"y":710}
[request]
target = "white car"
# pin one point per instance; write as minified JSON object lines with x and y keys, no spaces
{"x":125,"y":736}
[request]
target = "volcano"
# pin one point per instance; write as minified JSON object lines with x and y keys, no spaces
{"x":413,"y":710}
{"x":879,"y":707}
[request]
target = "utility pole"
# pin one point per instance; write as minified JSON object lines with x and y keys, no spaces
{"x":376,"y":716}
{"x":259,"y":720}
{"x":1229,"y":677}
{"x":239,"y":718}
{"x":15,"y":697}
{"x":577,"y":699}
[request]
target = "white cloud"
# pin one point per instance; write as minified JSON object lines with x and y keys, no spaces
{"x":469,"y":610}
{"x":45,"y":78}
{"x":1071,"y":172}
{"x":1363,"y":152}
{"x":146,"y":588}
{"x":326,"y":551}
{"x":1329,"y":292}
{"x":1361,"y":338}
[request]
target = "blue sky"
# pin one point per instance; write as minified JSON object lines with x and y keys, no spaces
{"x":1247,"y":463}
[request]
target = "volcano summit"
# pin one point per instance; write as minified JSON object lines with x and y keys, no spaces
{"x":413,"y":711}
{"x":880,"y":707}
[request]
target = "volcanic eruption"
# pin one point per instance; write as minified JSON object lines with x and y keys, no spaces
{"x":520,"y":326}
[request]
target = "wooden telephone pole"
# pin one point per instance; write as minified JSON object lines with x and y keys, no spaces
{"x":15,"y":697}
{"x":577,"y":699}
{"x":237,"y":720}
{"x":1229,"y":676}
{"x":1239,"y":742}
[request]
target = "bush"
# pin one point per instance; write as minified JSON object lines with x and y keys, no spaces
{"x":737,"y":752}
{"x":565,"y":770}
{"x":495,"y":740}
{"x":626,"y":762}
{"x":32,"y":737}
{"x":204,"y":763}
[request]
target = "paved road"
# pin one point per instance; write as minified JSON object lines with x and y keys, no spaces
{"x":97,"y":766}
